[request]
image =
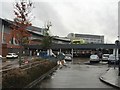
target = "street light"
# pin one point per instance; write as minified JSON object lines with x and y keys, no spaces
{"x":117,"y":43}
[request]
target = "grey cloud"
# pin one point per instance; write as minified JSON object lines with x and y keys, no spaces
{"x":44,"y":12}
{"x":7,"y":10}
{"x":108,"y":22}
{"x":101,"y":18}
{"x":95,"y":17}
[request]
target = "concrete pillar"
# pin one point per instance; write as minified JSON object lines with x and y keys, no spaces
{"x":117,"y":53}
{"x":72,"y":54}
{"x":30,"y":53}
{"x":60,"y":50}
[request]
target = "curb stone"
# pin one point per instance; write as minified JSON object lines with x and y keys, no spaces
{"x":103,"y":80}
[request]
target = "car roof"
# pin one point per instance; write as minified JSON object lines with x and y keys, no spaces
{"x":11,"y":53}
{"x":94,"y":55}
{"x":67,"y":54}
{"x":112,"y":55}
{"x":106,"y":54}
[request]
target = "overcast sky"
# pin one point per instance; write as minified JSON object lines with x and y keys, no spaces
{"x":97,"y":17}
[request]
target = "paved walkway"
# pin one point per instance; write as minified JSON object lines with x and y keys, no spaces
{"x":111,"y":77}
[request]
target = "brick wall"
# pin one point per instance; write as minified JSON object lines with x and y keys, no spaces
{"x":4,"y":50}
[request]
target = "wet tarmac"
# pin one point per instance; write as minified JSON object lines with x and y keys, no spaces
{"x":76,"y":75}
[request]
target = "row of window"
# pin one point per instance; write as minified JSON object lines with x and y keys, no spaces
{"x":89,"y":40}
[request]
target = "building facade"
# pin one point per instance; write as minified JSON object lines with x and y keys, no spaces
{"x":87,"y":38}
{"x":9,"y":44}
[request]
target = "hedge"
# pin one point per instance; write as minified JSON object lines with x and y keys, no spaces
{"x":19,"y":78}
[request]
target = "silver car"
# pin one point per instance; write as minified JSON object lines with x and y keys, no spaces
{"x":68,"y":57}
{"x":105,"y":57}
{"x":94,"y":58}
{"x":112,"y":59}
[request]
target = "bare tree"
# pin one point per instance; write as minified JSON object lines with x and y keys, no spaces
{"x":47,"y":40}
{"x":22,"y":20}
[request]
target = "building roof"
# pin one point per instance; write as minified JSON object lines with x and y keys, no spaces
{"x":38,"y":31}
{"x":88,"y":36}
{"x":62,"y":38}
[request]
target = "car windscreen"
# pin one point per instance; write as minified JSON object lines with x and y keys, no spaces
{"x":9,"y":54}
{"x":93,"y":56}
{"x":105,"y":55}
{"x":14,"y":54}
{"x":68,"y":55}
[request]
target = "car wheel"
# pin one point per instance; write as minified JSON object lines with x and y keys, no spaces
{"x":108,"y":62}
{"x":98,"y":61}
{"x":90,"y":61}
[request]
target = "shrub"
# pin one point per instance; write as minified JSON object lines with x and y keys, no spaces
{"x":15,"y":78}
{"x":20,"y":78}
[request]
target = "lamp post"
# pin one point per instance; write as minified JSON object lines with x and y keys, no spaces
{"x":118,"y":43}
{"x":115,"y":54}
{"x":117,"y":48}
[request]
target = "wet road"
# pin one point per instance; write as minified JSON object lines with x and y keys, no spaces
{"x":77,"y":75}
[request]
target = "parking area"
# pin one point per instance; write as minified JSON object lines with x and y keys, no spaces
{"x":14,"y":63}
{"x":79,"y":74}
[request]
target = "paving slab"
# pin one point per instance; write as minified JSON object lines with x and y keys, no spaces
{"x":111,"y":77}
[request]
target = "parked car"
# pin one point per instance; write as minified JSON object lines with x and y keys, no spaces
{"x":94,"y":58}
{"x":105,"y":57}
{"x":11,"y":55}
{"x":112,"y":59}
{"x":68,"y":57}
{"x":0,"y":56}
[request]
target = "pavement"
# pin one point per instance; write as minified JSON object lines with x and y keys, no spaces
{"x":111,"y":77}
